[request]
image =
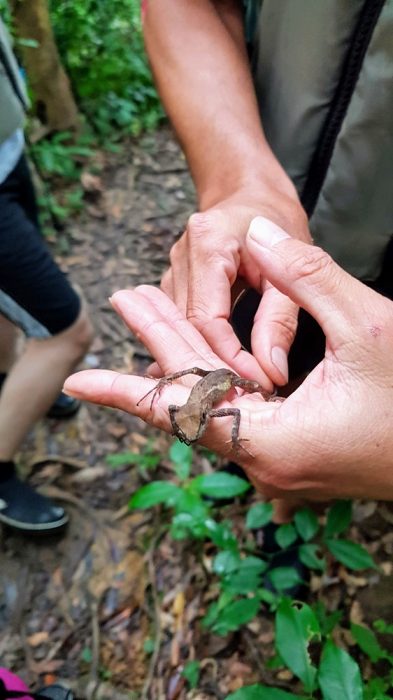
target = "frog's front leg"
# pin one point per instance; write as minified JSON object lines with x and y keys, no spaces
{"x":235,"y":439}
{"x":168,"y":379}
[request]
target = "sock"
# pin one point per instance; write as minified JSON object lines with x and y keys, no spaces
{"x":7,"y":470}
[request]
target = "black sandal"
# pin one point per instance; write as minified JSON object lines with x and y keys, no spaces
{"x":51,"y":692}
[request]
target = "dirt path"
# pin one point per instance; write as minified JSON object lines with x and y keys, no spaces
{"x":63,"y":602}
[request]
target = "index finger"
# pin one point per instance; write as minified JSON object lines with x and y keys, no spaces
{"x":209,"y":308}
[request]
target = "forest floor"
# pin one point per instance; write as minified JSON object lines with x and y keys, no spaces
{"x":79,"y":608}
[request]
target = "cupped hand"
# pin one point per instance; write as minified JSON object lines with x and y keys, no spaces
{"x":211,"y":256}
{"x":333,"y":437}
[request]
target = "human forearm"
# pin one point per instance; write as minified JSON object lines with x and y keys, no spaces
{"x":200,"y":64}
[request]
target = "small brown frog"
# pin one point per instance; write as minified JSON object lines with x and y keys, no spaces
{"x":189,"y":422}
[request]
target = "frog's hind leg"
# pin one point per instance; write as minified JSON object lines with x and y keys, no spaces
{"x":235,"y":439}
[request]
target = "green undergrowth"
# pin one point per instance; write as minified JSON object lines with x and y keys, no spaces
{"x":246,"y":585}
{"x":101,"y":47}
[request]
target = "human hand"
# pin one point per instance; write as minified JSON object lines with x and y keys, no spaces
{"x":212,"y":255}
{"x":333,"y":436}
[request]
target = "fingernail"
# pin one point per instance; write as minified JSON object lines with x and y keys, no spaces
{"x":280,"y":360}
{"x":265,"y":232}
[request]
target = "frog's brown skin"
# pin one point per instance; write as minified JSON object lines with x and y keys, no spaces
{"x":189,"y":421}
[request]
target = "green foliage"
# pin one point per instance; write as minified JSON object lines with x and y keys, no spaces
{"x":191,"y":673}
{"x":259,"y":515}
{"x":261,"y":692}
{"x":306,"y":523}
{"x":146,"y":461}
{"x":245,"y":583}
{"x":339,"y":675}
{"x":286,"y":535}
{"x":350,"y":554}
{"x":101,"y":45}
{"x":295,"y":628}
{"x":339,"y":517}
{"x":369,"y":644}
{"x":61,"y":155}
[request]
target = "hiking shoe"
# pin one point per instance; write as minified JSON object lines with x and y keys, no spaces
{"x":55,"y":692}
{"x":11,"y":686}
{"x":24,"y":509}
{"x":64,"y":407}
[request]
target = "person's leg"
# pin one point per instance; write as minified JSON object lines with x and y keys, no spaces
{"x":37,"y":297}
{"x":8,"y":340}
{"x":36,"y":379}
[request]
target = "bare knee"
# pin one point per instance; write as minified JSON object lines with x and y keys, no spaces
{"x":78,"y":337}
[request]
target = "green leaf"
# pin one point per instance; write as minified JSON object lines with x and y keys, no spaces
{"x":368,"y":642}
{"x":148,"y":646}
{"x":375,"y":689}
{"x":285,"y":535}
{"x":261,"y":692}
{"x":327,"y":621}
{"x":284,"y":577}
{"x":247,"y":576}
{"x":383,"y":627}
{"x":221,"y":534}
{"x":259,"y":515}
{"x":350,"y":554}
{"x":192,"y":503}
{"x":191,"y":673}
{"x":226,"y":562}
{"x":123,"y":458}
{"x":181,"y":456}
{"x":87,"y":655}
{"x":339,"y":675}
{"x":338,"y":519}
{"x":309,"y":555}
{"x":236,"y":614}
{"x":220,"y":485}
{"x":306,"y":523}
{"x":154,"y":493}
{"x":295,"y":627}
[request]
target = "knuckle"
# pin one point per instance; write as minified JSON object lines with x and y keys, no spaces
{"x":285,"y":325}
{"x":311,"y":264}
{"x":198,"y":224}
{"x":198,"y":315}
{"x":201,"y":223}
{"x":175,"y":252}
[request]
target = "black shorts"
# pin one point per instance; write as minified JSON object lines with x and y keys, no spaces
{"x":34,"y":293}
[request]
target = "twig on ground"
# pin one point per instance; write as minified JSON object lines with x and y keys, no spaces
{"x":157,"y":617}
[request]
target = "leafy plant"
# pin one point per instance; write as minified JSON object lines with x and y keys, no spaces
{"x":101,"y":45}
{"x":245,"y":582}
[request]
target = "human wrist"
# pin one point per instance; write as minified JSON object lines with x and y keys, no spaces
{"x":274,"y":198}
{"x":266,"y":180}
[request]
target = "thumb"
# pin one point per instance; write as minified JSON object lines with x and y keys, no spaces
{"x":308,"y":276}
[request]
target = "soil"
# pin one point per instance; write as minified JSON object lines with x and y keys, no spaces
{"x":112,"y":607}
